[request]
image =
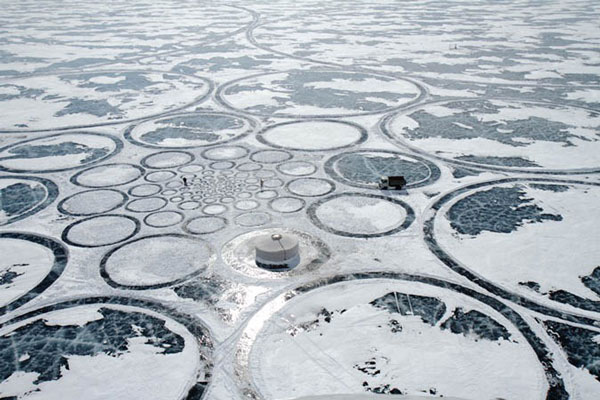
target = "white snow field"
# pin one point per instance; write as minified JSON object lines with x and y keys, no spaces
{"x":147,"y":146}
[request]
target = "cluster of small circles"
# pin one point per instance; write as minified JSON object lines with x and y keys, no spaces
{"x":230,"y":180}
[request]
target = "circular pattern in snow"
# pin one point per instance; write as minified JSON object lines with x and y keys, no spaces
{"x":392,"y":336}
{"x":71,"y":347}
{"x":156,"y":261}
{"x":251,"y":219}
{"x":30,"y":263}
{"x":162,"y":219}
{"x":107,"y":175}
{"x":287,"y":204}
{"x":160,"y":176}
{"x":91,"y":202}
{"x":246,"y":205}
{"x":502,"y":135}
{"x":297,"y":168}
{"x":23,"y":196}
{"x":310,"y":187}
{"x":144,"y":190}
{"x":87,"y":99}
{"x":146,"y":204}
{"x":58,"y":152}
{"x":204,"y":225}
{"x":361,"y":215}
{"x":270,"y":156}
{"x":364,"y":168}
{"x":240,"y":253}
{"x":101,"y":230}
{"x":222,"y":153}
{"x":517,"y":236}
{"x":313,"y":135}
{"x":214,"y":209}
{"x":249,"y":166}
{"x":190,"y":130}
{"x":167,"y":159}
{"x":317,"y":93}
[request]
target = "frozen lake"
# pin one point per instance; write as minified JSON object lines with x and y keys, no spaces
{"x":145,"y":147}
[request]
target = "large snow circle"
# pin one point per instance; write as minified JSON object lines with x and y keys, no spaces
{"x":156,"y":261}
{"x":364,"y":168}
{"x":29,"y":264}
{"x":317,"y":93}
{"x":361,"y":215}
{"x":104,"y":351}
{"x":107,"y":175}
{"x":537,"y":238}
{"x":102,"y":230}
{"x":393,"y":337}
{"x":58,"y":152}
{"x":313,"y":135}
{"x":190,"y":130}
{"x":91,"y":202}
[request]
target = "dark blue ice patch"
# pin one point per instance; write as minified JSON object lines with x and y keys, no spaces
{"x":191,"y":127}
{"x":98,"y":108}
{"x":499,"y":209}
{"x":24,"y":92}
{"x":368,"y":169}
{"x":549,"y":187}
{"x":522,"y":131}
{"x":580,"y":344}
{"x":8,"y":277}
{"x":18,"y":198}
{"x":45,"y":349}
{"x":500,"y":161}
{"x":60,"y":149}
{"x":430,"y":309}
{"x":475,"y":323}
{"x":136,"y":81}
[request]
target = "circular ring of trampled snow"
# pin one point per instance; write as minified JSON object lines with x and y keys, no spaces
{"x":59,"y":152}
{"x":92,"y":202}
{"x":190,"y":130}
{"x":388,"y":331}
{"x":500,"y":219}
{"x":341,"y":105}
{"x":24,"y":255}
{"x":125,"y":335}
{"x":363,"y":168}
{"x":167,"y":159}
{"x":24,"y":196}
{"x":108,"y":175}
{"x":140,"y":263}
{"x":361,"y":215}
{"x":318,"y":135}
{"x":101,"y":230}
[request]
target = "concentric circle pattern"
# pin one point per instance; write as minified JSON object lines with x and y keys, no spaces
{"x":193,"y":200}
